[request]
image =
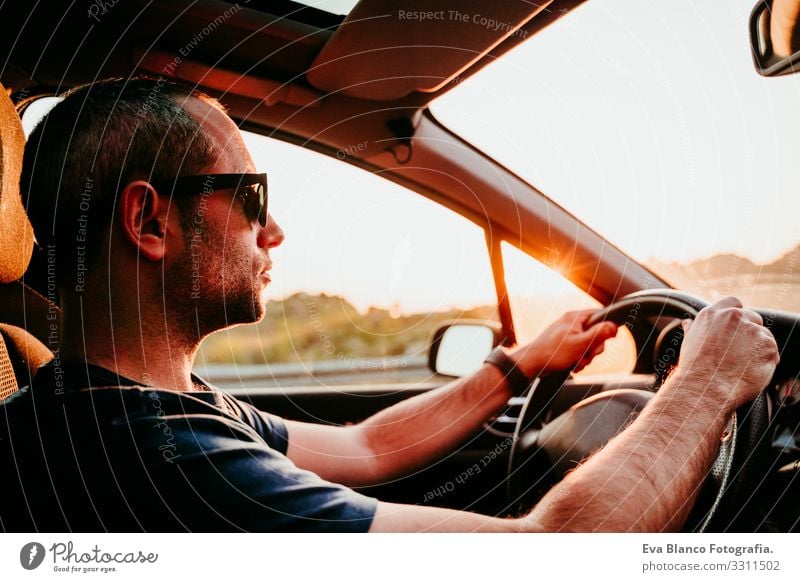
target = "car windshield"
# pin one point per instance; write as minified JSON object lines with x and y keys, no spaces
{"x":648,"y":122}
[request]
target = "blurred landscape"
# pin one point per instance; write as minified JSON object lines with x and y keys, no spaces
{"x":774,"y":285}
{"x":307,"y":338}
{"x":306,"y":328}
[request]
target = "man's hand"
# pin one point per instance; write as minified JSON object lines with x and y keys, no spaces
{"x":729,"y":351}
{"x":565,"y":344}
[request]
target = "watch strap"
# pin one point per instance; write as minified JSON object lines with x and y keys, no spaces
{"x":518,"y":381}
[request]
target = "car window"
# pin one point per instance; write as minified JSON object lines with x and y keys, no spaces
{"x":366,"y":273}
{"x":539,"y":295}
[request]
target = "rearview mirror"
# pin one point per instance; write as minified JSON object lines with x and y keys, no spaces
{"x":775,"y":37}
{"x":459,"y":348}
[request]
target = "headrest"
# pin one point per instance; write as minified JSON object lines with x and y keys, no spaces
{"x":16,"y":234}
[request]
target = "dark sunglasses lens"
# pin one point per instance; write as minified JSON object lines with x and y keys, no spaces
{"x":255,"y":203}
{"x":262,"y":202}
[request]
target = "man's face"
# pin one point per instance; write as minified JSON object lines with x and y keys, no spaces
{"x":222,"y":267}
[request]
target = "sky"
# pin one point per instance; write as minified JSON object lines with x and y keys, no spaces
{"x":354,"y":234}
{"x":648,"y":121}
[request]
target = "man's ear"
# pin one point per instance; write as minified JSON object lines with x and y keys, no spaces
{"x":144,"y":219}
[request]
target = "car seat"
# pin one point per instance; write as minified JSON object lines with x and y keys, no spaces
{"x":21,"y":353}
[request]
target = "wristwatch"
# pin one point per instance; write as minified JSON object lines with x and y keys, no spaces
{"x":518,"y":381}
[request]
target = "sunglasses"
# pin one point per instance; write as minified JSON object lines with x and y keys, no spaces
{"x":251,"y":188}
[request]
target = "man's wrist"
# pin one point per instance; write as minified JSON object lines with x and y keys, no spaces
{"x":701,"y":385}
{"x":528,"y":359}
{"x":514,"y":375}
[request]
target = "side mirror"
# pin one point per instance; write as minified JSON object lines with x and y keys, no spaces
{"x":775,"y":37}
{"x":459,"y":348}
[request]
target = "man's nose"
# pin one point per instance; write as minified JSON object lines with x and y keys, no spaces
{"x":271,"y":235}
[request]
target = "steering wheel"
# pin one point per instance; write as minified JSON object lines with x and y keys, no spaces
{"x":551,"y":448}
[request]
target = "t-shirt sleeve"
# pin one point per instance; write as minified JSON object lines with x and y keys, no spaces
{"x":271,"y":428}
{"x":218,"y":475}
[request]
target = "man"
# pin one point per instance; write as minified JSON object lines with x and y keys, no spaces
{"x":140,"y":190}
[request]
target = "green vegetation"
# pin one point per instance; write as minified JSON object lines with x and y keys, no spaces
{"x":307,"y":328}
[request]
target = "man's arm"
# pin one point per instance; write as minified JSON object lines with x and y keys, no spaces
{"x":420,"y":430}
{"x":646,"y":478}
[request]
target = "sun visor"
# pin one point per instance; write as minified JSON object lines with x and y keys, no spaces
{"x":385,"y":50}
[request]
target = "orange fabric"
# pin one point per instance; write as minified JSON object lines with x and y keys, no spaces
{"x":8,"y":380}
{"x":16,"y":234}
{"x":20,"y":356}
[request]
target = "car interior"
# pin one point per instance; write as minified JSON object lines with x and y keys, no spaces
{"x":356,"y":88}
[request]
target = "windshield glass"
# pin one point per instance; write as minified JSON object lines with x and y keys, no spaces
{"x":649,"y":123}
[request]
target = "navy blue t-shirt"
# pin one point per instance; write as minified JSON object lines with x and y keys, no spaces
{"x":79,"y":453}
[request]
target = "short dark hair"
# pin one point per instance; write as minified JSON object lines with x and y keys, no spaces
{"x":93,"y":143}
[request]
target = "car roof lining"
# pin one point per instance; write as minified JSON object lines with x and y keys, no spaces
{"x":275,"y":47}
{"x":256,"y":63}
{"x":383,"y":52}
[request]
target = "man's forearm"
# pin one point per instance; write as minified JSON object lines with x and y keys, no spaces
{"x":647,"y":478}
{"x":643,"y":480}
{"x":422,"y":429}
